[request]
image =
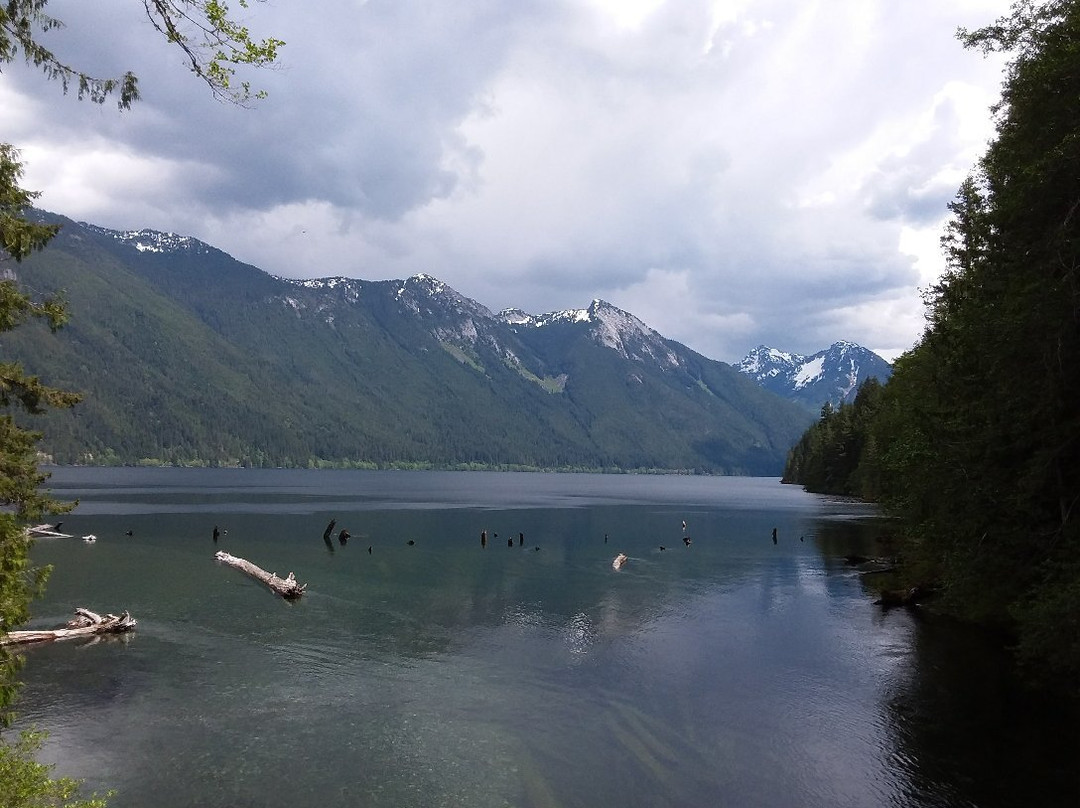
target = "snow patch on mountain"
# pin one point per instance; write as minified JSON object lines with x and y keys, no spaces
{"x":610,"y":326}
{"x":427,"y":285}
{"x":763,"y":362}
{"x":569,"y":316}
{"x":433,"y":296}
{"x":810,"y":371}
{"x":519,"y":317}
{"x":349,"y":289}
{"x":515,"y":317}
{"x":832,"y":375}
{"x":153,"y":241}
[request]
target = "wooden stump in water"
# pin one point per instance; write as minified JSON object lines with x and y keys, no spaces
{"x":85,"y":624}
{"x":288,"y":587}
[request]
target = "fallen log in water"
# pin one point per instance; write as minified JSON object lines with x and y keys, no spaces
{"x":47,"y":532}
{"x":85,"y":624}
{"x":287,"y":587}
{"x":890,"y":598}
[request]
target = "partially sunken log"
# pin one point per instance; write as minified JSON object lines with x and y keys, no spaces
{"x":287,"y":587}
{"x":47,"y":532}
{"x":85,"y":624}
{"x":890,"y":598}
{"x":870,"y":566}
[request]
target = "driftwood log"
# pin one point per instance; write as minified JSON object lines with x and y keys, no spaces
{"x":287,"y":587}
{"x":47,"y":532}
{"x":85,"y":624}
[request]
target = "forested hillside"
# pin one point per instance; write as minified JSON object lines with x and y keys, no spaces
{"x":186,"y":356}
{"x":838,"y":454}
{"x":975,"y":441}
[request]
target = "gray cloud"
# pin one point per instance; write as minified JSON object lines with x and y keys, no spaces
{"x":732,"y":173}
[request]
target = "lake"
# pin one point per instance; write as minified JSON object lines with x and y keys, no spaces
{"x":423,"y":669}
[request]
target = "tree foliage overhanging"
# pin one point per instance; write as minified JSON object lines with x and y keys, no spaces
{"x":214,"y":46}
{"x":213,"y":43}
{"x":975,"y":441}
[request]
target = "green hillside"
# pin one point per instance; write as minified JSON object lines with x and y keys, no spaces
{"x":187,"y":356}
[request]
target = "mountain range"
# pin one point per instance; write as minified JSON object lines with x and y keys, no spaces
{"x":187,"y":356}
{"x":833,"y":375}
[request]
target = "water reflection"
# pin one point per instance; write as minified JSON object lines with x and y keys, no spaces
{"x":733,"y":671}
{"x":966,"y":731}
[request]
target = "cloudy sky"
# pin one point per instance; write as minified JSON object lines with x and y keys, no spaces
{"x":732,"y":172}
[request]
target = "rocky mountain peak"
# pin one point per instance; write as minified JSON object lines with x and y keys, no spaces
{"x":627,"y":335}
{"x":834,"y":374}
{"x":764,"y":362}
{"x":427,"y":294}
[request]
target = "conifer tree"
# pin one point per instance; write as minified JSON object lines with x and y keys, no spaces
{"x":20,"y":479}
{"x":214,"y":45}
{"x":975,"y":440}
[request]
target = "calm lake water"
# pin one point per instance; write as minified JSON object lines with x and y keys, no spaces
{"x":730,"y":672}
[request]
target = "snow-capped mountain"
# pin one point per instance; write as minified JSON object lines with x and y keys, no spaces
{"x":608,"y":326}
{"x":153,"y":241}
{"x":466,"y":329}
{"x":833,"y":375}
{"x":224,"y":363}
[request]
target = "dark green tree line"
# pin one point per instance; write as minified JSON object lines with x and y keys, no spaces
{"x":1001,"y":349}
{"x":836,"y":455}
{"x":20,"y":479}
{"x":976,"y":442}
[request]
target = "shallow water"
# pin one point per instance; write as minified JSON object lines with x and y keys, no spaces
{"x":733,"y":671}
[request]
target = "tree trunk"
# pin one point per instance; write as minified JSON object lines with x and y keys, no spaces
{"x":287,"y":587}
{"x":85,"y":624}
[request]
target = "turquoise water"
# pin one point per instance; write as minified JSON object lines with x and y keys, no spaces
{"x":733,"y":671}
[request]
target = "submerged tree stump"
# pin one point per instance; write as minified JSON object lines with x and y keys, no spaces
{"x":85,"y":624}
{"x":287,"y":587}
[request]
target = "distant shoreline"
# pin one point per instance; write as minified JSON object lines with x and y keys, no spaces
{"x":361,"y":466}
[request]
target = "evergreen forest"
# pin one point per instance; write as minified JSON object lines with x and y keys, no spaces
{"x":974,"y":443}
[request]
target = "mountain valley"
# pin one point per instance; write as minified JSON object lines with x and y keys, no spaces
{"x":187,"y":356}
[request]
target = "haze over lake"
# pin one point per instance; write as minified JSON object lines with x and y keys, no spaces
{"x":730,"y":671}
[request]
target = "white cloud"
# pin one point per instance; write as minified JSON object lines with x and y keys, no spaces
{"x":730,"y":172}
{"x":626,"y":14}
{"x":98,"y":176}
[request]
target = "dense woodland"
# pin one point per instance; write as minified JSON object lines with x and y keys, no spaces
{"x":974,"y":444}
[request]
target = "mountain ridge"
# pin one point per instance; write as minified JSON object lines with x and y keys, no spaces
{"x":832,"y":375}
{"x":188,"y":356}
